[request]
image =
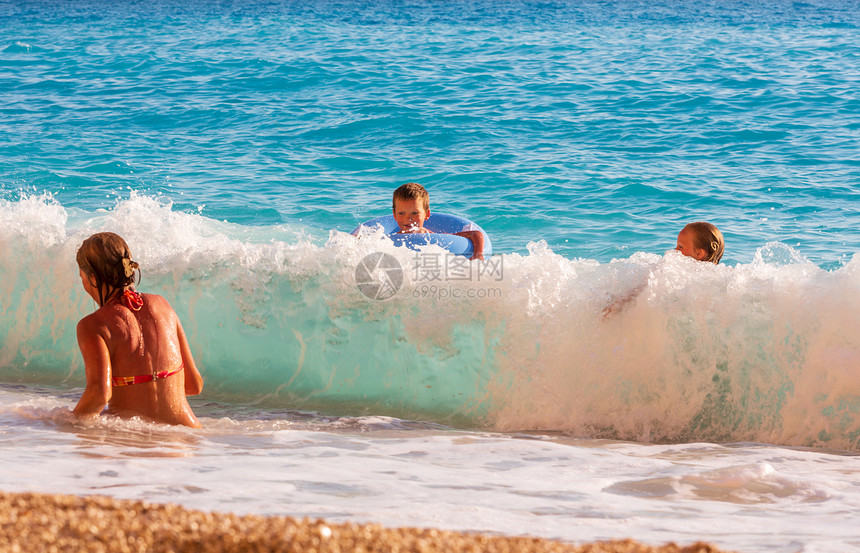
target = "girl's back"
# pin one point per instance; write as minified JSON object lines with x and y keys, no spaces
{"x":142,"y":344}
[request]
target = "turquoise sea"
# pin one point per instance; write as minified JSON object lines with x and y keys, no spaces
{"x":235,"y":145}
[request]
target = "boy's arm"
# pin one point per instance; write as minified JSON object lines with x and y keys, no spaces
{"x":619,"y":304}
{"x":477,"y":238}
{"x":421,"y":230}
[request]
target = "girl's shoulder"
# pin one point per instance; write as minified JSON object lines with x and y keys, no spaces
{"x":153,"y":298}
{"x":158,"y":304}
{"x":89,"y":322}
{"x":98,"y":323}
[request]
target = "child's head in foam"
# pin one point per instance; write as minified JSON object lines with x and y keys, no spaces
{"x":411,"y":207}
{"x":702,"y":241}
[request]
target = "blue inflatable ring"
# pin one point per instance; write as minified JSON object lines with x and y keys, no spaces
{"x":443,"y":226}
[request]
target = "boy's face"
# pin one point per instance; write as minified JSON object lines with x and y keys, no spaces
{"x":410,"y":214}
{"x":687,"y":245}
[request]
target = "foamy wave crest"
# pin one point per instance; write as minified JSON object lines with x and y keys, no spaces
{"x":690,"y":351}
{"x":649,"y":348}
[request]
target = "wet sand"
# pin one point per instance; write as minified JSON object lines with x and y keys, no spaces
{"x":61,"y":523}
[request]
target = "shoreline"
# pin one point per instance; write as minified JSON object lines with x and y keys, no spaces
{"x":43,"y":522}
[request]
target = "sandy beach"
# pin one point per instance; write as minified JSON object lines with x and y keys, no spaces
{"x":36,"y":522}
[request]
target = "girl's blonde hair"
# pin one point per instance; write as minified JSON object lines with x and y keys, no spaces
{"x":709,"y":238}
{"x":105,"y":256}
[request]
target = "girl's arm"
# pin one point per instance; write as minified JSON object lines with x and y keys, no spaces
{"x":193,"y":378}
{"x":97,"y":367}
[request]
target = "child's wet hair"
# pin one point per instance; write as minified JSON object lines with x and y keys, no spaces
{"x":411,"y":191}
{"x":105,"y":256}
{"x":709,"y":238}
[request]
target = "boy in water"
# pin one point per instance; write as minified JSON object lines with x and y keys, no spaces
{"x":411,"y":207}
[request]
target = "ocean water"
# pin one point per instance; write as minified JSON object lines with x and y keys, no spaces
{"x":583,"y":383}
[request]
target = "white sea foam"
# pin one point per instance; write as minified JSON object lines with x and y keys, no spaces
{"x":651,"y":348}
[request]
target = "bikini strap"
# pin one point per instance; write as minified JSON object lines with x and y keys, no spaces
{"x":129,"y":380}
